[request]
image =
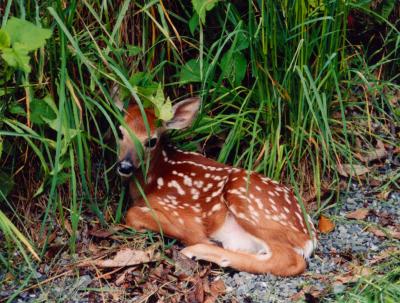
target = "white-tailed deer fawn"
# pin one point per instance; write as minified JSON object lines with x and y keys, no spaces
{"x":223,"y":214}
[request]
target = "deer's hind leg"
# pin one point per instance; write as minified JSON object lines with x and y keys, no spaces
{"x":282,"y":261}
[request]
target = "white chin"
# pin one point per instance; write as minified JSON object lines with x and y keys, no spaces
{"x":124,"y":175}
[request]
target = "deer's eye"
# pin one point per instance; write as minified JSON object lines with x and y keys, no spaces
{"x":151,"y":143}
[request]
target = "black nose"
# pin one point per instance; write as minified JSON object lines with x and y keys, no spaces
{"x":125,"y":168}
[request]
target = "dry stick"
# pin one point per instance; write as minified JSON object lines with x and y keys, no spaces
{"x":107,"y":273}
{"x":260,"y":155}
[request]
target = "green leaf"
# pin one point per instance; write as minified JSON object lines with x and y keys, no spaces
{"x":387,"y":8}
{"x":202,"y":6}
{"x":162,"y":106}
{"x":139,"y":79}
{"x":26,"y":33}
{"x":4,"y":39}
{"x":41,"y":112}
{"x":242,"y":42}
{"x":193,"y":23}
{"x":6,"y":184}
{"x":133,"y":50}
{"x":190,"y":72}
{"x":17,"y":109}
{"x":165,"y":111}
{"x":17,"y":57}
{"x":235,"y":67}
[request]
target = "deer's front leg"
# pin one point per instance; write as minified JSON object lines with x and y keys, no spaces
{"x":143,"y":218}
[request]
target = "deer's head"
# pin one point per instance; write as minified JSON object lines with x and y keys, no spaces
{"x":141,"y":143}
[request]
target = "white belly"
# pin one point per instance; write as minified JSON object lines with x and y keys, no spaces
{"x":233,"y":237}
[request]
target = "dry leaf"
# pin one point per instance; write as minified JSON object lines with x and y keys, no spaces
{"x":383,"y":255}
{"x":68,"y":227}
{"x":100,"y":233}
{"x":325,"y":225}
{"x":306,"y":290}
{"x":184,"y":267}
{"x":128,"y":257}
{"x":378,"y":153}
{"x":383,"y":195}
{"x":347,"y":170}
{"x":359,"y":214}
{"x":197,"y":293}
{"x":389,"y":233}
{"x":122,"y":277}
{"x":216,"y":288}
{"x":353,"y":275}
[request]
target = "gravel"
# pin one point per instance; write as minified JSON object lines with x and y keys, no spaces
{"x":349,"y":239}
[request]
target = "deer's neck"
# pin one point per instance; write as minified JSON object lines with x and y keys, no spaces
{"x":157,"y":166}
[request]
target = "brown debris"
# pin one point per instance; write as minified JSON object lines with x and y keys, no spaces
{"x":355,"y":170}
{"x":388,"y":233}
{"x":359,"y":214}
{"x":325,"y":225}
{"x":126,"y":257}
{"x":378,"y":153}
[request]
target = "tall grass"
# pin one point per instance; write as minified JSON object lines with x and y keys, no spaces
{"x":276,"y":77}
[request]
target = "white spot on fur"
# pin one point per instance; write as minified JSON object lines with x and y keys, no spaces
{"x":176,"y":185}
{"x":160,"y":182}
{"x":216,"y":207}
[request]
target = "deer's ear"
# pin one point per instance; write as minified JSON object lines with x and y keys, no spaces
{"x":184,"y":113}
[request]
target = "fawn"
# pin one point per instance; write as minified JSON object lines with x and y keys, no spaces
{"x":222,"y":214}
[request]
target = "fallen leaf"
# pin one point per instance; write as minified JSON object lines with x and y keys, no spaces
{"x":348,"y":170}
{"x":197,"y":291}
{"x":374,"y":182}
{"x":217,"y":287}
{"x":184,"y":267}
{"x":68,"y":227}
{"x":355,"y":273}
{"x":309,"y":291}
{"x":385,"y":218}
{"x":383,"y":195}
{"x":383,"y":255}
{"x":378,"y":153}
{"x":345,"y":278}
{"x":128,"y":257}
{"x":122,"y":277}
{"x":359,"y":214}
{"x":389,"y":233}
{"x":100,"y":233}
{"x":49,"y":239}
{"x":325,"y":225}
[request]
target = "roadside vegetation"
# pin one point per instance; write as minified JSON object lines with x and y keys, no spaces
{"x":306,"y":92}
